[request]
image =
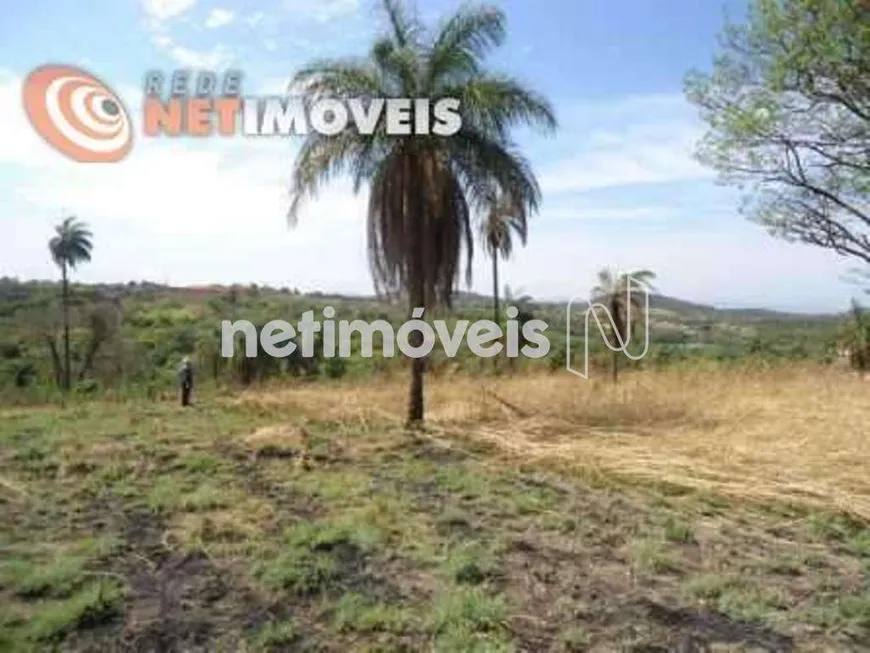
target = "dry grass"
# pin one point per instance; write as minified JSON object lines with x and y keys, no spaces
{"x":792,"y":434}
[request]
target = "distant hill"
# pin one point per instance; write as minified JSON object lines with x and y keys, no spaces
{"x":680,"y":310}
{"x":683,"y":307}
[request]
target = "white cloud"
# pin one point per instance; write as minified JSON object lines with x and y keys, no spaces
{"x":254,"y":19}
{"x":270,"y":45}
{"x":219,"y":17}
{"x":215,"y":58}
{"x":732,"y":264}
{"x":162,"y":10}
{"x":632,"y":141}
{"x":274,"y":86}
{"x":623,"y":165}
{"x":593,"y":211}
{"x":180,"y":210}
{"x":323,"y":11}
{"x":162,"y":41}
{"x":21,"y":145}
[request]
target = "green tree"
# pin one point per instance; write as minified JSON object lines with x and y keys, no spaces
{"x":423,"y":190}
{"x":618,"y":292}
{"x":855,"y":338}
{"x":504,"y":218}
{"x":71,"y":245}
{"x":787,"y":106}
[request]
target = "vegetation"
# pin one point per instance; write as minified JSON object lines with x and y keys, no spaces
{"x":70,"y":246}
{"x":503,"y":219}
{"x":621,"y":294}
{"x":788,"y":110}
{"x":424,"y":191}
{"x":127,"y":339}
{"x":855,"y":339}
{"x":587,"y":516}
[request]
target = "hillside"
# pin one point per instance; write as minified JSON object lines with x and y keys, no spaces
{"x":135,"y":333}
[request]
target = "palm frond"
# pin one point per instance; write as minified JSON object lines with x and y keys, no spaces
{"x":463,"y":41}
{"x":506,"y":216}
{"x":72,"y":243}
{"x":494,"y":104}
{"x":405,"y":26}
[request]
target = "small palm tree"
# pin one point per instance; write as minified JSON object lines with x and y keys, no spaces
{"x":614,"y":291}
{"x":504,"y":218}
{"x":424,"y":189}
{"x":71,"y":245}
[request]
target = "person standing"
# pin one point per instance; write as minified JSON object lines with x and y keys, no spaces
{"x":185,"y":377}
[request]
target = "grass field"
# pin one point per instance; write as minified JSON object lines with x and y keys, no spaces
{"x":679,"y":510}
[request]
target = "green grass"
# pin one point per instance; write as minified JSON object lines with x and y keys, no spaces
{"x":359,"y":613}
{"x":654,"y":555}
{"x":42,"y":578}
{"x":273,"y":634}
{"x":384,"y":544}
{"x":470,"y":563}
{"x":470,"y":620}
{"x":677,"y":530}
{"x":51,"y":620}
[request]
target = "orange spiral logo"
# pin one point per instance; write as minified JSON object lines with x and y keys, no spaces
{"x":77,"y":114}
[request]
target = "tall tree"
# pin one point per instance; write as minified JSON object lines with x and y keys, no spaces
{"x":423,"y":190}
{"x":787,"y":106}
{"x":504,"y":218}
{"x":71,"y":245}
{"x":618,"y":292}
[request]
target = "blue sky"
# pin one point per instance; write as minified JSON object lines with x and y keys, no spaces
{"x":620,"y":185}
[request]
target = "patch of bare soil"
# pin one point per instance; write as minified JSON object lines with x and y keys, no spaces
{"x":557,"y":589}
{"x":180,"y":601}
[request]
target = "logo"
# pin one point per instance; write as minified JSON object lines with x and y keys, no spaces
{"x":484,"y":338}
{"x":595,"y":310}
{"x":204,"y":103}
{"x":77,"y":114}
{"x":82,"y":118}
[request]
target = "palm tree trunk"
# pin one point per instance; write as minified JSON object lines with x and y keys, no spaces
{"x":417,"y":299}
{"x":415,"y":392}
{"x":619,"y":328}
{"x":56,"y":365}
{"x":418,"y":365}
{"x":495,"y":307}
{"x":615,"y":367}
{"x":65,"y":301}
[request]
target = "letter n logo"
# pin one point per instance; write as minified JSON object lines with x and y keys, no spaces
{"x":607,"y":326}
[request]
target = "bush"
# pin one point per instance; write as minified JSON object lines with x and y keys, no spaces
{"x":334,"y":368}
{"x":87,"y":387}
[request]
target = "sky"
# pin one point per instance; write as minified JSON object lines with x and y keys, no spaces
{"x":621,"y":187}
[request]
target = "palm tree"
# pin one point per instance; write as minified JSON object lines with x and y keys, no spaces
{"x":423,"y":189}
{"x":70,"y":246}
{"x":614,"y":291}
{"x":503,"y":218}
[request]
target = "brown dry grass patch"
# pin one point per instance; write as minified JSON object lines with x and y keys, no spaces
{"x":796,"y":433}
